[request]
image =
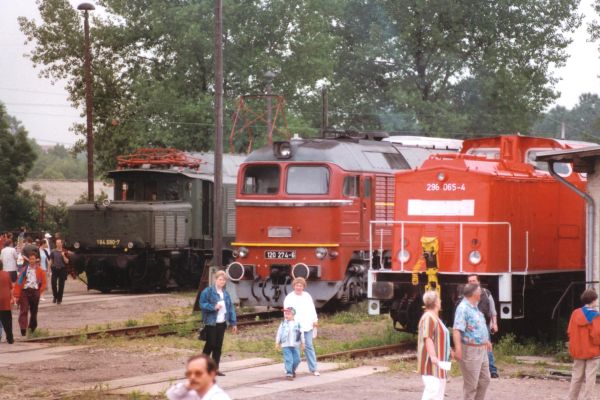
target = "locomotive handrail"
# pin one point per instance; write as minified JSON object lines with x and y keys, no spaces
{"x":459,"y":223}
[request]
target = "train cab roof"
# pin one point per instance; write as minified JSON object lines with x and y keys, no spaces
{"x":504,"y":154}
{"x":350,"y":154}
{"x":205,"y":170}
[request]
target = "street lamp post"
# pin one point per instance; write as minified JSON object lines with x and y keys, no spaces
{"x":89,"y":106}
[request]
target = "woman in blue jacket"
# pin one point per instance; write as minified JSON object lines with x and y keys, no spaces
{"x":217,"y":313}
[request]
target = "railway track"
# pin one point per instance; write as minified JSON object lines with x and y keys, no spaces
{"x":244,"y":320}
{"x":376,"y":351}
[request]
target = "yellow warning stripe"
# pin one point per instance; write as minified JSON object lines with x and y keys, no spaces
{"x":383,"y":203}
{"x":285,"y":244}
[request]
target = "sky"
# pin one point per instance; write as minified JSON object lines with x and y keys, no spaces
{"x":46,"y":113}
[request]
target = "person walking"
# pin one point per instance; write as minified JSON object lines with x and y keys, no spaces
{"x":8,"y":255}
{"x":30,"y":285}
{"x":433,"y":348}
{"x":6,"y":299}
{"x":200,"y":383}
{"x":289,"y":337}
{"x":584,"y":346}
{"x":217,"y":311}
{"x":58,"y":266}
{"x":45,"y":260}
{"x":306,"y":315}
{"x":487,"y":306}
{"x":472,"y":342}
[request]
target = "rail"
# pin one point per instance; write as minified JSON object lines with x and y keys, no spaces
{"x":460,"y":224}
{"x":167,"y":329}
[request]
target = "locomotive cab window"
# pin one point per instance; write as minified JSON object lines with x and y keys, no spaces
{"x":351,"y":186}
{"x":563,"y":169}
{"x":261,"y":179}
{"x":307,"y":180}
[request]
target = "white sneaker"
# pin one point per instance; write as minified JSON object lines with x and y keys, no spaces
{"x":316,"y":373}
{"x":42,"y":299}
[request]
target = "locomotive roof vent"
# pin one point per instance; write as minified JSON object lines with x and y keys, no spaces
{"x":354,"y":134}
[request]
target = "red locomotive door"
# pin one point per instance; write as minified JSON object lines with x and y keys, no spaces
{"x":366,"y":206}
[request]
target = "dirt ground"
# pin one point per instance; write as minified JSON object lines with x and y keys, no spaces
{"x":55,"y":378}
{"x":107,"y":310}
{"x":408,"y":386}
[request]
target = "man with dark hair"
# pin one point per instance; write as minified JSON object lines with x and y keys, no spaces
{"x":29,"y":247}
{"x":200,"y":372}
{"x":584,"y":345}
{"x":488,"y":307}
{"x":472,"y":342}
{"x":29,"y":287}
{"x":58,"y":265}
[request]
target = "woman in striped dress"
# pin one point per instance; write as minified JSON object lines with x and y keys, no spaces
{"x":433,"y":348}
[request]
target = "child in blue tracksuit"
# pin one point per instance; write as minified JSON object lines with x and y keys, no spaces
{"x":289,"y":337}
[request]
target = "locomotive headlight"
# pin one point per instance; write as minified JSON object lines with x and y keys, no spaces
{"x":320,"y":252}
{"x":282,"y":149}
{"x":475,"y":257}
{"x":333,"y":254}
{"x":243,"y":252}
{"x":130,"y":245}
{"x":441,"y":176}
{"x":403,"y":255}
{"x":76,"y":245}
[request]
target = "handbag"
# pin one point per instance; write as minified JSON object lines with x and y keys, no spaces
{"x":202,"y":333}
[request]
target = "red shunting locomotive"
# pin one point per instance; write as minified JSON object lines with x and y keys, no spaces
{"x":303,"y":210}
{"x":491,"y":210}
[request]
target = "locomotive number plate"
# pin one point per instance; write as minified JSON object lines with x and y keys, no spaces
{"x":280,"y":254}
{"x":108,"y":242}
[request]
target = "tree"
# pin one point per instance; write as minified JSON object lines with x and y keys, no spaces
{"x":582,"y":122}
{"x":153,"y":79}
{"x":461,"y":66}
{"x":415,"y":65}
{"x":16,"y":159}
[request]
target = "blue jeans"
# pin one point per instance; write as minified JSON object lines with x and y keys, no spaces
{"x":309,"y":351}
{"x":493,"y":369}
{"x":291,"y":359}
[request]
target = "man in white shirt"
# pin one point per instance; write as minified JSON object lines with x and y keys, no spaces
{"x":200,"y":372}
{"x":306,"y":315}
{"x":8,"y":255}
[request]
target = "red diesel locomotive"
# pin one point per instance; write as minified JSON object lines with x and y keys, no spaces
{"x":303,"y":210}
{"x":491,"y":210}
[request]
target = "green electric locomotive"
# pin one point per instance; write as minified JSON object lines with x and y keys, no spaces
{"x":157,"y":232}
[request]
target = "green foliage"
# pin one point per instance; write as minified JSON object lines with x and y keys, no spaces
{"x":582,"y":122}
{"x":410,"y":65}
{"x":57,"y":163}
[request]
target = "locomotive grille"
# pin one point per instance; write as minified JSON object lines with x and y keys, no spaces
{"x":230,"y":210}
{"x":169,"y":230}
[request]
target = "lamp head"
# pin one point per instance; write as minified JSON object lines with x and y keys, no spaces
{"x":86,"y":7}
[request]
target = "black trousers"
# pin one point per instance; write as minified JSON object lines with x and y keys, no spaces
{"x":59,"y":276}
{"x":6,"y":320}
{"x":13,"y":276}
{"x":214,"y":341}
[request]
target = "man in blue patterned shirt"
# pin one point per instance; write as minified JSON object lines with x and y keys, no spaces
{"x":472,"y":342}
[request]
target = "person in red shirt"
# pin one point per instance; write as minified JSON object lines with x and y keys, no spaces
{"x":6,"y":299}
{"x":584,"y":345}
{"x":28,"y":289}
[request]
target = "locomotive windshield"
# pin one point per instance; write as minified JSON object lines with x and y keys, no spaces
{"x":148,"y":186}
{"x":307,"y":180}
{"x":563,"y":169}
{"x":261,"y":179}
